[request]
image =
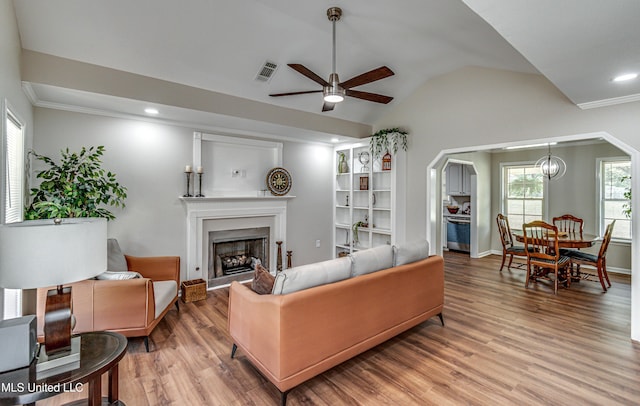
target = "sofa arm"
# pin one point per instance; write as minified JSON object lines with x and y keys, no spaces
{"x":156,"y":268}
{"x":254,"y":324}
{"x":123,"y":304}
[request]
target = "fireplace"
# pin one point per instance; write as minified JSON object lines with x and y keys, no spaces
{"x":236,"y":252}
{"x":260,"y":219}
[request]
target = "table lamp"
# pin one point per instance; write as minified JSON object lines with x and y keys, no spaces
{"x":42,"y":253}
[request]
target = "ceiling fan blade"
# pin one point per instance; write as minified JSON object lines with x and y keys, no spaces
{"x":306,"y":72}
{"x":374,"y":97}
{"x":328,"y":106}
{"x":367,"y":77}
{"x":294,"y":93}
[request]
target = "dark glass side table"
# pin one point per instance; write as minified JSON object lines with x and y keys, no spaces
{"x":100,"y":352}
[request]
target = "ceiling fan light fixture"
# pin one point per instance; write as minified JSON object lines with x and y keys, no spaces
{"x":333,"y":93}
{"x":333,"y":96}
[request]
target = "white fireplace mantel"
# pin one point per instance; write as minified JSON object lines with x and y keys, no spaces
{"x":227,"y":208}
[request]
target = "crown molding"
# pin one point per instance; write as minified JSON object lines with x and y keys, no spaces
{"x":609,"y":102}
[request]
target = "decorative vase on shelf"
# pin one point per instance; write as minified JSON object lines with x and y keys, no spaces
{"x":343,"y":166}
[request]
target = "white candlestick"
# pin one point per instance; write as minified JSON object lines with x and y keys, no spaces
{"x":188,"y":168}
{"x":200,"y":170}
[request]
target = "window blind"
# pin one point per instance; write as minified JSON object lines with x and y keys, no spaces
{"x":14,"y":159}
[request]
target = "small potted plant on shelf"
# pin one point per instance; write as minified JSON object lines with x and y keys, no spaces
{"x":76,"y":187}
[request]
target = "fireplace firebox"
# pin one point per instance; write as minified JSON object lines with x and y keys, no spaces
{"x":234,"y":253}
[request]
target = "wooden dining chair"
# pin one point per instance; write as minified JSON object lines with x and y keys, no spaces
{"x":508,"y":248}
{"x":569,"y":223}
{"x":597,"y":261}
{"x":541,"y":247}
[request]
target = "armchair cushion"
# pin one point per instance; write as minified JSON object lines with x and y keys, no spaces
{"x":164,"y":294}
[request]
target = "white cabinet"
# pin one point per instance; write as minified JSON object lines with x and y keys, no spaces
{"x":458,"y":180}
{"x":365,"y":194}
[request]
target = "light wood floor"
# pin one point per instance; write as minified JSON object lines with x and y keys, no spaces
{"x":502,"y":345}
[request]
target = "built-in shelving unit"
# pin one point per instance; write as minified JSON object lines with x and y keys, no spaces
{"x":365,"y":193}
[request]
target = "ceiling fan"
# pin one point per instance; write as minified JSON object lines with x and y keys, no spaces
{"x":333,"y":90}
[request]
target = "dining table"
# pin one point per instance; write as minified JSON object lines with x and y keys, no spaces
{"x":566,"y":239}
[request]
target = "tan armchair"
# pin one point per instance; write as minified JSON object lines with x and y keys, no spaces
{"x":132,"y":307}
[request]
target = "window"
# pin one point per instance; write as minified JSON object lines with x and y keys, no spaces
{"x":522,"y":193}
{"x":614,"y":178}
{"x":13,"y":147}
{"x":12,"y":192}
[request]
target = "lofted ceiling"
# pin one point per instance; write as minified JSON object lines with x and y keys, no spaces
{"x":219,"y":47}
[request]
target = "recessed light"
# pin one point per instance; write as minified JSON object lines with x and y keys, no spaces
{"x":625,"y":77}
{"x":151,"y":110}
{"x":335,"y":140}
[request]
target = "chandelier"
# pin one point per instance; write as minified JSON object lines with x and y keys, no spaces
{"x":551,"y":167}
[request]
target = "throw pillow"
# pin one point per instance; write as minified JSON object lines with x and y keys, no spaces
{"x":118,"y":276}
{"x":116,"y":261}
{"x":263,"y":281}
{"x":408,"y":252}
{"x":371,"y":260}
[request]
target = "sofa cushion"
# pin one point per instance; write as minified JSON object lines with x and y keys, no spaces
{"x":371,"y":260}
{"x":118,"y":276}
{"x":116,"y":261}
{"x":263,"y":281}
{"x":163,"y":293}
{"x":308,"y":276}
{"x":408,"y":252}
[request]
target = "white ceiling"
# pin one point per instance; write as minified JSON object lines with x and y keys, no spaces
{"x":220,"y":45}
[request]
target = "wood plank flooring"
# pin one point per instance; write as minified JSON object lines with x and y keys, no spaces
{"x":502,"y":345}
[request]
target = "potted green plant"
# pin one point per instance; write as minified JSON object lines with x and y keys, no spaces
{"x":76,"y":187}
{"x":626,"y":208}
{"x":388,"y":140}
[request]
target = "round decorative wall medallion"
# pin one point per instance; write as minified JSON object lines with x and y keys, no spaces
{"x":279,"y":181}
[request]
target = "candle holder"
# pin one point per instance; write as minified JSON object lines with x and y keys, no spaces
{"x":188,"y":174}
{"x":200,"y":185}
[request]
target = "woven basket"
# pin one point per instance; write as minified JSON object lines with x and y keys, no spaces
{"x":193,"y":290}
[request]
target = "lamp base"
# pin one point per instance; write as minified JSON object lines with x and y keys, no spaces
{"x":60,"y":361}
{"x":57,"y":319}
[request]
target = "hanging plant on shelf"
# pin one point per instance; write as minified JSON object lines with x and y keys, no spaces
{"x":76,"y":187}
{"x":388,"y":140}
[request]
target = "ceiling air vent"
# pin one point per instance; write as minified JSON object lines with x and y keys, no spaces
{"x":266,"y":71}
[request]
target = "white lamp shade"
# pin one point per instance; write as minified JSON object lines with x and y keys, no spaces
{"x":39,"y":253}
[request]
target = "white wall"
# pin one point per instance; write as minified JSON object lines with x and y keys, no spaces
{"x":149,"y":159}
{"x":478,"y":106}
{"x":10,"y":88}
{"x":10,"y":82}
{"x":310,"y":214}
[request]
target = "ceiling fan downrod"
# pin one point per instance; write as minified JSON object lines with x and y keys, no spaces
{"x":334,"y":14}
{"x":334,"y":93}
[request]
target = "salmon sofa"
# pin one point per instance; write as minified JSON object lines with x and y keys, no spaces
{"x":295,"y":336}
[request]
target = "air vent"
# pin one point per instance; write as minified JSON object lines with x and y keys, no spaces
{"x":266,"y":71}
